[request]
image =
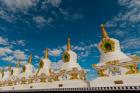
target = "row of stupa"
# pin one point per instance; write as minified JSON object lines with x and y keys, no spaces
{"x":70,"y":71}
{"x":114,"y":69}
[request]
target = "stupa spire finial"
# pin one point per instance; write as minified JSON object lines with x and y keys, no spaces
{"x":104,"y":33}
{"x":68,"y":44}
{"x":30,"y":59}
{"x":46,"y":53}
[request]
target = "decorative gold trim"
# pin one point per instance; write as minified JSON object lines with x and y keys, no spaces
{"x":43,"y":77}
{"x":101,"y":73}
{"x":113,"y":62}
{"x":133,"y":68}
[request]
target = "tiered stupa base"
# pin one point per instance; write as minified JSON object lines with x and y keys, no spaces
{"x":120,"y":80}
{"x":48,"y":85}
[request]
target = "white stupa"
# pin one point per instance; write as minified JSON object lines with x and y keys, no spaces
{"x":28,"y":69}
{"x":115,"y":68}
{"x":7,"y":74}
{"x":114,"y":53}
{"x":44,"y":65}
{"x":16,"y":70}
{"x":70,"y":59}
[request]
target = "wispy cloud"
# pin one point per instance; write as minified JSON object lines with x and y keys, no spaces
{"x":57,"y":65}
{"x":4,"y":51}
{"x":56,"y":52}
{"x":7,"y":53}
{"x":51,"y":8}
{"x":55,"y":3}
{"x":19,"y":5}
{"x":68,"y":16}
{"x":19,"y":42}
{"x":128,"y":16}
{"x":3,"y":41}
{"x":131,"y":43}
{"x":126,"y":23}
{"x":39,"y":20}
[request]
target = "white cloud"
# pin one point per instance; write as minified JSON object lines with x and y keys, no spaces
{"x":6,"y":42}
{"x":8,"y":58}
{"x":9,"y":9}
{"x":6,"y":16}
{"x":55,"y":52}
{"x":9,"y":54}
{"x":71,"y":16}
{"x":36,"y":57}
{"x":19,"y":55}
{"x":50,"y":20}
{"x":3,"y":41}
{"x":57,"y":65}
{"x":22,"y":5}
{"x":84,"y":50}
{"x":131,"y":43}
{"x":5,"y":50}
{"x":39,"y":20}
{"x":55,"y":3}
{"x":19,"y":42}
{"x":129,"y":13}
{"x":126,"y":23}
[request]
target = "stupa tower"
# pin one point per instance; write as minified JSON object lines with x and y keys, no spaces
{"x":111,"y":56}
{"x":45,"y":64}
{"x":114,"y":67}
{"x":70,"y":58}
{"x":7,"y":73}
{"x":16,"y":70}
{"x":110,"y":49}
{"x":28,"y":68}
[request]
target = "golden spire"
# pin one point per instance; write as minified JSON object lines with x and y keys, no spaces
{"x":68,"y":44}
{"x":30,"y":59}
{"x":46,"y":53}
{"x":104,"y":33}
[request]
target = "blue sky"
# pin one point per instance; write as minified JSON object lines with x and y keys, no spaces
{"x":29,"y":26}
